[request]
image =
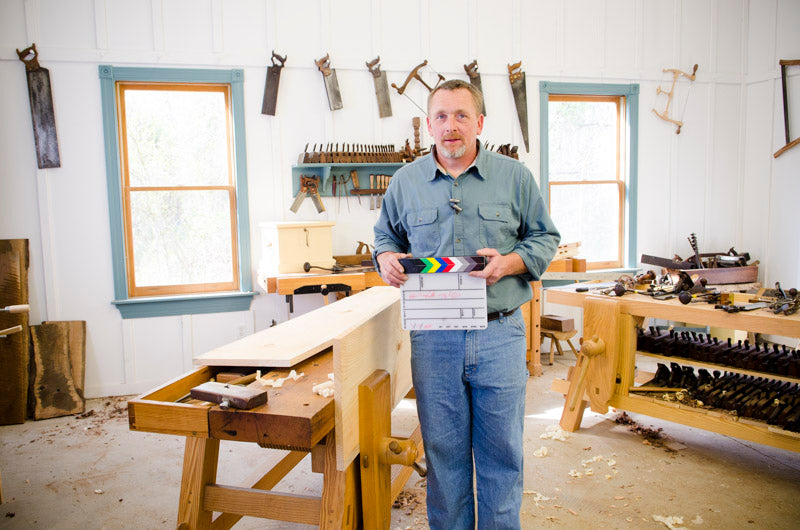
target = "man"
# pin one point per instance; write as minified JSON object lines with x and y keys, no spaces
{"x":462,"y":200}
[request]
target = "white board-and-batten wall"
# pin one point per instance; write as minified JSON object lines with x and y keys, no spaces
{"x":717,"y":178}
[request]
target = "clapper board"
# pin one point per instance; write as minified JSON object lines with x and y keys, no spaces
{"x":440,"y":294}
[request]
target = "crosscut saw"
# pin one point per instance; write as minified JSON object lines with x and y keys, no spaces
{"x":517,"y":78}
{"x":381,"y":87}
{"x":271,"y":88}
{"x":331,"y":82}
{"x":42,"y":113}
{"x":475,"y":79}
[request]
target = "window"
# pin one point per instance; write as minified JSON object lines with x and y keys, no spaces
{"x":588,"y":145}
{"x":177,"y":190}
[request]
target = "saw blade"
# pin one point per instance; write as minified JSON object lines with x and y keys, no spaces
{"x":382,"y":93}
{"x":332,"y":89}
{"x":42,"y":112}
{"x":271,"y":91}
{"x":521,"y":101}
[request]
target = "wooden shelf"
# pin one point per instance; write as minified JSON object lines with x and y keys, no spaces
{"x":324,"y":172}
{"x":723,"y":367}
{"x":709,"y":420}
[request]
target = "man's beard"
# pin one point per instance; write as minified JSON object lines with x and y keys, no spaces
{"x":454,"y":153}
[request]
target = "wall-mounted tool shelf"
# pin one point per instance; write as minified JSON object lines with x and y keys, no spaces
{"x":324,"y":172}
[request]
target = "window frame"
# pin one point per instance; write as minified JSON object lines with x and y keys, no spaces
{"x":628,"y":185}
{"x":236,"y":299}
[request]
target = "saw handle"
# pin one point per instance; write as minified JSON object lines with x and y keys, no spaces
{"x":276,"y":59}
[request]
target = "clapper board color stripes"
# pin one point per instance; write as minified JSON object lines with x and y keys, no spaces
{"x":441,"y":295}
{"x":451,"y":264}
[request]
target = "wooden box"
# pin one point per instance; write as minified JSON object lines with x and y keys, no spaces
{"x":286,"y":246}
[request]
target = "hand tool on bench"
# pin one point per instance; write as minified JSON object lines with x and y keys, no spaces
{"x":475,"y":79}
{"x":271,"y":88}
{"x":230,"y":395}
{"x":517,"y":79}
{"x":331,"y":82}
{"x":42,"y":112}
{"x":381,"y":87}
{"x":308,"y":186}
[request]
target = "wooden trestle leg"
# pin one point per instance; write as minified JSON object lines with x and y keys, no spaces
{"x":199,"y":468}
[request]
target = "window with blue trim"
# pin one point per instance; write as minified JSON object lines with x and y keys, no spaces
{"x":589,"y":167}
{"x":177,"y":190}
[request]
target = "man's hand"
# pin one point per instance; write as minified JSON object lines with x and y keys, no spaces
{"x":499,"y":265}
{"x":391,"y":270}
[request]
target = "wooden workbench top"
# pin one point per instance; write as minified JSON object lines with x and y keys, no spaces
{"x":759,"y":321}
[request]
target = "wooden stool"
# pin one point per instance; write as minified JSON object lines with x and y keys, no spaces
{"x":555,"y":337}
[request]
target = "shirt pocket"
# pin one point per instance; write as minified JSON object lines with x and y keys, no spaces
{"x":423,"y":232}
{"x":498,"y":226}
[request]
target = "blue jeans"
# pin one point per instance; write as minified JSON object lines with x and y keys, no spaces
{"x":470,"y":387}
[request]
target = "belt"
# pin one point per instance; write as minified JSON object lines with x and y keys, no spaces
{"x":498,"y":314}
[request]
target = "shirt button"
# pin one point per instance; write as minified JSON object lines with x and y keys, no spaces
{"x":458,"y":240}
{"x":497,"y":214}
{"x":455,"y":184}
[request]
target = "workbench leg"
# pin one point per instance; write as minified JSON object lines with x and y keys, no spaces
{"x":535,"y":362}
{"x":341,"y":492}
{"x":199,"y":468}
{"x":571,"y":419}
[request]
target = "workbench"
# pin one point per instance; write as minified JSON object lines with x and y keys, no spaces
{"x":610,"y":375}
{"x":355,"y":340}
{"x":292,"y":284}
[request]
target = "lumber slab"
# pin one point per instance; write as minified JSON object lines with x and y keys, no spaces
{"x":54,"y":390}
{"x":14,"y":347}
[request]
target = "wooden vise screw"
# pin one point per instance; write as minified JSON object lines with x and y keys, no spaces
{"x":379,"y":450}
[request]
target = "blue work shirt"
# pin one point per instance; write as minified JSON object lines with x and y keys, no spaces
{"x":501,"y":209}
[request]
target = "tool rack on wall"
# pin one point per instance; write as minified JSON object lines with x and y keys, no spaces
{"x":610,"y":378}
{"x":325,"y":171}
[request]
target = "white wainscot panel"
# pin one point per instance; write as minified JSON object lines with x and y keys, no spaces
{"x":185,"y":33}
{"x":658,"y":35}
{"x":761,"y":38}
{"x":351,"y":34}
{"x":542,"y":45}
{"x":129,"y":25}
{"x":788,"y":39}
{"x":12,"y":25}
{"x":729,"y":37}
{"x":723,"y":205}
{"x":757,"y":170}
{"x":449,"y":49}
{"x":583,"y":40}
{"x":696,"y":25}
{"x":353,"y":122}
{"x":154,"y":349}
{"x":244,"y":28}
{"x":213,"y":330}
{"x":692,"y":169}
{"x":299,"y":33}
{"x":68,"y":25}
{"x":494,"y":23}
{"x":621,"y":26}
{"x":400,"y":41}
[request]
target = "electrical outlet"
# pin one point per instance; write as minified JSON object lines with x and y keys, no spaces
{"x":241,"y":331}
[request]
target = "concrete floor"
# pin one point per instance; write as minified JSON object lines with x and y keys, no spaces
{"x":92,"y":472}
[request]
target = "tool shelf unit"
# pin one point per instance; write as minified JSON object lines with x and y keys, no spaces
{"x":324,"y":172}
{"x":611,"y":374}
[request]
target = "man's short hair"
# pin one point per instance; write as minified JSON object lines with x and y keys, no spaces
{"x":455,"y":84}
